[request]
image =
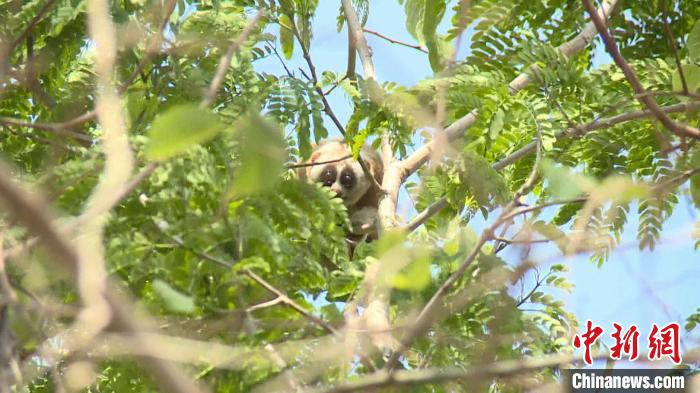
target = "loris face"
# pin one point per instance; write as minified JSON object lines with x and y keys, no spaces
{"x":345,"y":178}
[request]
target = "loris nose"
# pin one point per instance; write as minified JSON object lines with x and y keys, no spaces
{"x":337,"y":189}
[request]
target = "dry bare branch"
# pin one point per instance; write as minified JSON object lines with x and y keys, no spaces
{"x":611,"y":45}
{"x":92,"y":273}
{"x":9,"y":369}
{"x":385,"y":378}
{"x":359,"y":39}
{"x":56,"y":128}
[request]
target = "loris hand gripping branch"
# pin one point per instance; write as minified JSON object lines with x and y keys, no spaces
{"x":346,"y":178}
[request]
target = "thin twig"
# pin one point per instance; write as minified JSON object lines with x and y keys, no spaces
{"x":680,"y":178}
{"x":307,"y":164}
{"x":611,"y":45}
{"x":281,"y":60}
{"x":152,"y":47}
{"x":335,"y":85}
{"x":541,"y":206}
{"x":225,"y":60}
{"x":394,"y":41}
{"x":672,"y":43}
{"x":127,"y":188}
{"x":266,"y":304}
{"x":162,"y":226}
{"x":291,"y":303}
{"x":314,"y":79}
{"x":520,"y":241}
{"x":56,"y":128}
{"x":36,"y":19}
{"x":535,"y":287}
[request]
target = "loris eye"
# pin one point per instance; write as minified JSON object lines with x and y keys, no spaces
{"x":328,"y":176}
{"x":347,"y":179}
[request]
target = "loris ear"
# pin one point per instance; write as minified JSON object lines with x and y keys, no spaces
{"x":374,"y":162}
{"x":303,"y":172}
{"x":377,"y":169}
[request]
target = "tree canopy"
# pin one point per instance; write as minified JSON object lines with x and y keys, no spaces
{"x":155,"y":236}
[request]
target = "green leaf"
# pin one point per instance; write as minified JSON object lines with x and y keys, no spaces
{"x":286,"y":36}
{"x":691,"y":73}
{"x":415,"y":276}
{"x":252,"y":263}
{"x":564,"y":183}
{"x":388,"y":241}
{"x":262,"y":155}
{"x":439,"y":51}
{"x":458,"y":238}
{"x":179,"y":128}
{"x":694,"y":43}
{"x":553,"y":233}
{"x":695,"y":179}
{"x":415,"y":10}
{"x":437,"y":48}
{"x":496,"y":123}
{"x":432,"y":16}
{"x":174,"y":300}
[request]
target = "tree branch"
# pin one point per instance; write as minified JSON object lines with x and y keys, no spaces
{"x":427,"y":315}
{"x":389,"y":189}
{"x":459,"y":127}
{"x":394,"y":41}
{"x":610,"y":44}
{"x":291,"y":303}
{"x":425,"y":215}
{"x":526,"y":150}
{"x":307,"y":164}
{"x":36,"y":216}
{"x":355,"y":28}
{"x":36,"y":19}
{"x":506,"y":368}
{"x":352,"y":56}
{"x":57,"y":128}
{"x":155,"y":42}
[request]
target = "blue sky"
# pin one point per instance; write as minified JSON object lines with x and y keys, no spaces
{"x":633,"y":287}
